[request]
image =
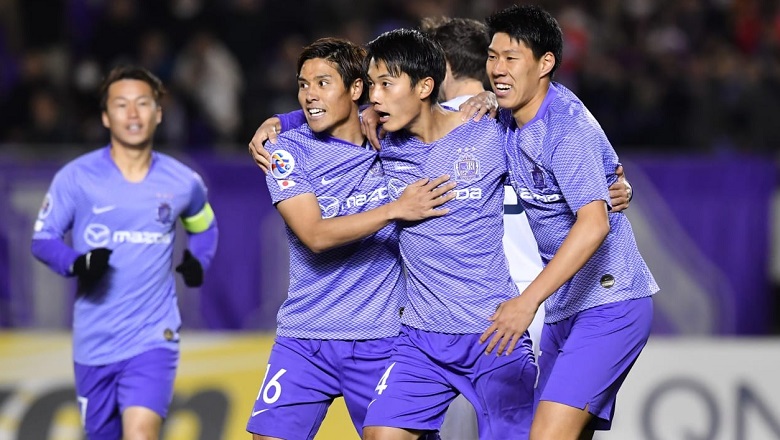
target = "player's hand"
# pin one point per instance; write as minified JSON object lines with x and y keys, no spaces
{"x":479,"y":105}
{"x":268,"y":131}
{"x":620,"y":192}
{"x":191,"y":270}
{"x":369,"y":121}
{"x":421,"y":198}
{"x":510,"y":321}
{"x":91,"y":267}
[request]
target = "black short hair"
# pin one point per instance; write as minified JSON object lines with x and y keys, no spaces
{"x":131,"y":72}
{"x":409,"y":51}
{"x":533,"y":26}
{"x":346,"y":57}
{"x":465,"y":42}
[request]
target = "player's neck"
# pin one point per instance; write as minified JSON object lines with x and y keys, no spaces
{"x":434,"y":123}
{"x":133,"y":163}
{"x":462,"y":87}
{"x":531,"y":106}
{"x":349,"y":131}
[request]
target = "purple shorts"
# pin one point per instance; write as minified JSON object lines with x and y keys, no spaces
{"x":302,"y":378}
{"x":428,"y":370}
{"x":585,"y":358}
{"x":104,"y":392}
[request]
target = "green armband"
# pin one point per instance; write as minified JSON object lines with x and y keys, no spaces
{"x":200,"y":221}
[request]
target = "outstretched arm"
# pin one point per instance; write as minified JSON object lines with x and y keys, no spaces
{"x":513,"y":317}
{"x":419,"y":201}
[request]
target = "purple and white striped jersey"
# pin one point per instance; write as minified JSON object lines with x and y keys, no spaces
{"x":354,"y":291}
{"x":560,"y":161}
{"x":136,"y":309}
{"x":455,"y":265}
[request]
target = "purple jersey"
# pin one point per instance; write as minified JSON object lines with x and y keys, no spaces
{"x":559,"y":162}
{"x":455,"y":265}
{"x":136,"y":309}
{"x":353,"y":291}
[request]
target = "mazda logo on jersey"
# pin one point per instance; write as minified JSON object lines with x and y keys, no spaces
{"x":330,"y":206}
{"x":97,"y":235}
{"x":396,"y":187}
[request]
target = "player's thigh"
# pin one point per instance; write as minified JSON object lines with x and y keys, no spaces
{"x":96,"y":394}
{"x":600,"y":350}
{"x":147,"y":381}
{"x":413,"y":393}
{"x":362,"y":367}
{"x":298,"y":387}
{"x":504,"y":387}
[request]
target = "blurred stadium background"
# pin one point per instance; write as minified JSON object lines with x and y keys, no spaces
{"x":687,"y":90}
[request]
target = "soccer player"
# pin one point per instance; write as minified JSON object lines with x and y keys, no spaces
{"x":337,"y":327}
{"x":595,"y":285}
{"x":455,"y":266}
{"x":121,"y":203}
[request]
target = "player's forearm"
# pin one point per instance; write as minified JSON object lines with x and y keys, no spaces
{"x":338,"y":231}
{"x":55,"y":254}
{"x":203,"y":245}
{"x":584,"y":239}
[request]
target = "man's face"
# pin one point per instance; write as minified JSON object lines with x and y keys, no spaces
{"x":131,"y":113}
{"x":323,"y":98}
{"x":396,"y":101}
{"x":515,"y":74}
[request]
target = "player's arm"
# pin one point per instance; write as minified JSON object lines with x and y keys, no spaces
{"x":48,"y":246}
{"x":200,"y":225}
{"x":420,"y":200}
{"x":579,"y":171}
{"x":514,"y":316}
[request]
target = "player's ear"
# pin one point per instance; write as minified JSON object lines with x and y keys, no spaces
{"x":425,"y":87}
{"x":159,"y":113}
{"x":356,"y":91}
{"x":546,"y":64}
{"x":104,"y":118}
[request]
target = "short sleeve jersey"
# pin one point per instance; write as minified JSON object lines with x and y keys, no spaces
{"x":354,"y":291}
{"x":455,"y":265}
{"x":136,"y":309}
{"x":560,"y":161}
{"x":519,"y":242}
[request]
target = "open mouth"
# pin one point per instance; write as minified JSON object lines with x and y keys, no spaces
{"x":315,"y":112}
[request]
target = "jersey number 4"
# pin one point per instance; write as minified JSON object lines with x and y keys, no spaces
{"x":382,"y":385}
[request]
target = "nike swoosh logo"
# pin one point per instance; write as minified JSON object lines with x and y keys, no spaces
{"x":102,"y":209}
{"x":329,"y":181}
{"x":254,"y":413}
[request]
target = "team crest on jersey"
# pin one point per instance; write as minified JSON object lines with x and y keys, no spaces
{"x":538,"y":176}
{"x":282,"y":164}
{"x":467,"y":165}
{"x":45,"y":207}
{"x":164,"y":213}
{"x":376,"y":171}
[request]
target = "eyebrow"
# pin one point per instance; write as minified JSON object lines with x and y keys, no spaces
{"x":328,"y":76}
{"x":125,"y":98}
